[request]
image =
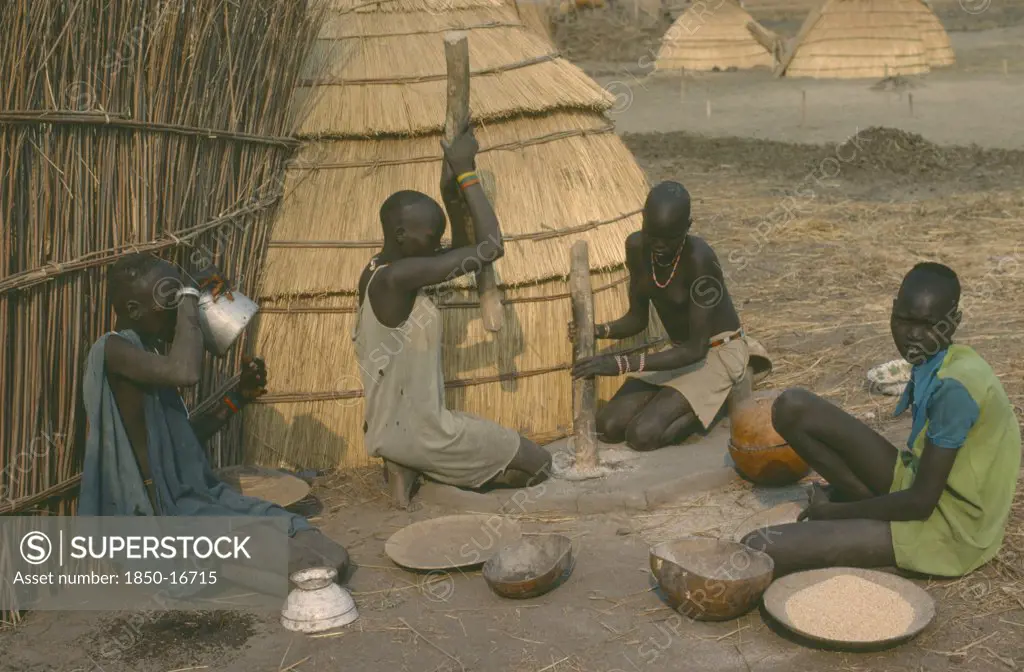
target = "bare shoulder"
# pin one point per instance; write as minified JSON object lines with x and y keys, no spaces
{"x":700,"y":253}
{"x":635,"y":241}
{"x":634,"y":246}
{"x":116,"y":344}
{"x":364,"y":280}
{"x":117,"y":353}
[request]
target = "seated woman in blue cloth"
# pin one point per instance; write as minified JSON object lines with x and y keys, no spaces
{"x":144,"y":454}
{"x":938,"y":507}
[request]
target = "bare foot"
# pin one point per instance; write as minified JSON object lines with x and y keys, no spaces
{"x":403,"y":481}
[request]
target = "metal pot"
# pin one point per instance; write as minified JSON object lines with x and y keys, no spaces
{"x":223,"y":320}
{"x":318,"y":603}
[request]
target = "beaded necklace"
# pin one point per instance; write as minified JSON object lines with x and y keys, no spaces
{"x":675,"y":267}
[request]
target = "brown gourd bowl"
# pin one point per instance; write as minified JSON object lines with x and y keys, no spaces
{"x":758,"y":452}
{"x":711,"y":579}
{"x":530,"y":567}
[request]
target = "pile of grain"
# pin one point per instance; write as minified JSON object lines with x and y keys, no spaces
{"x":850,"y":609}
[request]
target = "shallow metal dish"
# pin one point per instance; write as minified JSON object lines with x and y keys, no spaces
{"x":270,"y":485}
{"x":779,"y":593}
{"x":451,"y":542}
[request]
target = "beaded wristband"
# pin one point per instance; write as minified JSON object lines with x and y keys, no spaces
{"x":643,"y":356}
{"x":466,"y":180}
{"x":232,"y":401}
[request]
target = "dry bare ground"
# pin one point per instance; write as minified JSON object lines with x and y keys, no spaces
{"x":814,"y":241}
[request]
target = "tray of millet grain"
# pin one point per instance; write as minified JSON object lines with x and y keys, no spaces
{"x":849,"y":608}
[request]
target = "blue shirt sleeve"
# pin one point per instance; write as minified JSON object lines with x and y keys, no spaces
{"x":952,"y":412}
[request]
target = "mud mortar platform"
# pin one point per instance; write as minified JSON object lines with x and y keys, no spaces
{"x":634,"y":481}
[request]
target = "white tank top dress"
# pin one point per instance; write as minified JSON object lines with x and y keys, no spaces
{"x":406,"y":418}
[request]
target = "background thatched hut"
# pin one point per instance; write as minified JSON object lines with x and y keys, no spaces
{"x":851,"y":39}
{"x":556,"y":172}
{"x":709,"y":37}
{"x":936,"y":40}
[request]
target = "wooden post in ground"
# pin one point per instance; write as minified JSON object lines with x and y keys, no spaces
{"x":456,"y":53}
{"x":584,"y":391}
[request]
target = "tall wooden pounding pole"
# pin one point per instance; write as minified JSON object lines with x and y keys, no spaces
{"x":456,"y":53}
{"x":584,"y":391}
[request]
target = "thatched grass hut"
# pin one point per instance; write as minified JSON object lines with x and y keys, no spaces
{"x":853,"y":39}
{"x":556,"y":171}
{"x":936,"y":40}
{"x":710,"y":38}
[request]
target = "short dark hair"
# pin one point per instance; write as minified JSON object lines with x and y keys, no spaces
{"x":125,"y":273}
{"x":672,"y":195}
{"x":390,"y":210}
{"x":930,"y":276}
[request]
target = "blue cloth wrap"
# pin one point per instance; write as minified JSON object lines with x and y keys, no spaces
{"x":185,"y":485}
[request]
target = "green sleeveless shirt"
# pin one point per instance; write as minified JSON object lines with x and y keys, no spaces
{"x":959,"y":403}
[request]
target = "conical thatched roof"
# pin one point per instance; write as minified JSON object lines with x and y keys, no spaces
{"x":703,"y":38}
{"x":556,"y":172}
{"x":936,"y":40}
{"x":851,"y":39}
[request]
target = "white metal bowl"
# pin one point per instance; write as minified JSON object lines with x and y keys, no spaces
{"x":318,"y":603}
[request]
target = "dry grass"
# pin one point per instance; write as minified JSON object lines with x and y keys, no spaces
{"x":348,"y":489}
{"x":817,"y":288}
